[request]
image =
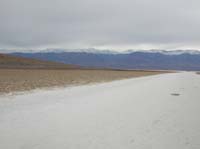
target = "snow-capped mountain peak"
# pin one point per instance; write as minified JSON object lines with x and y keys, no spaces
{"x":105,"y":51}
{"x":166,"y":52}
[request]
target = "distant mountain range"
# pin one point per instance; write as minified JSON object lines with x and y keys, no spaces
{"x":131,"y":59}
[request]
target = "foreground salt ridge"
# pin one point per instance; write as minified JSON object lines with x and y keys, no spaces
{"x":135,"y":113}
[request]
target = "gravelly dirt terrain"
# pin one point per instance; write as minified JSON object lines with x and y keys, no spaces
{"x":27,"y":79}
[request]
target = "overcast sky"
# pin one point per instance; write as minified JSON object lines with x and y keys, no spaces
{"x":115,"y":24}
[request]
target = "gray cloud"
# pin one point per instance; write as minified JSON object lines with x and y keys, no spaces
{"x":99,"y":23}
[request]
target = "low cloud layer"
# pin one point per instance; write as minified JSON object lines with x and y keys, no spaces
{"x":117,"y":24}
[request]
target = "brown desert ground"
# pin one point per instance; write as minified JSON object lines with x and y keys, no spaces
{"x":12,"y":80}
{"x":22,"y":74}
{"x":9,"y":61}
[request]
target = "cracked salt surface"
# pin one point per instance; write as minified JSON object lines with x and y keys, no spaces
{"x":134,"y":113}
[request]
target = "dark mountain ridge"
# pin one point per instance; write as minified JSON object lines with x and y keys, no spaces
{"x":133,"y":60}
